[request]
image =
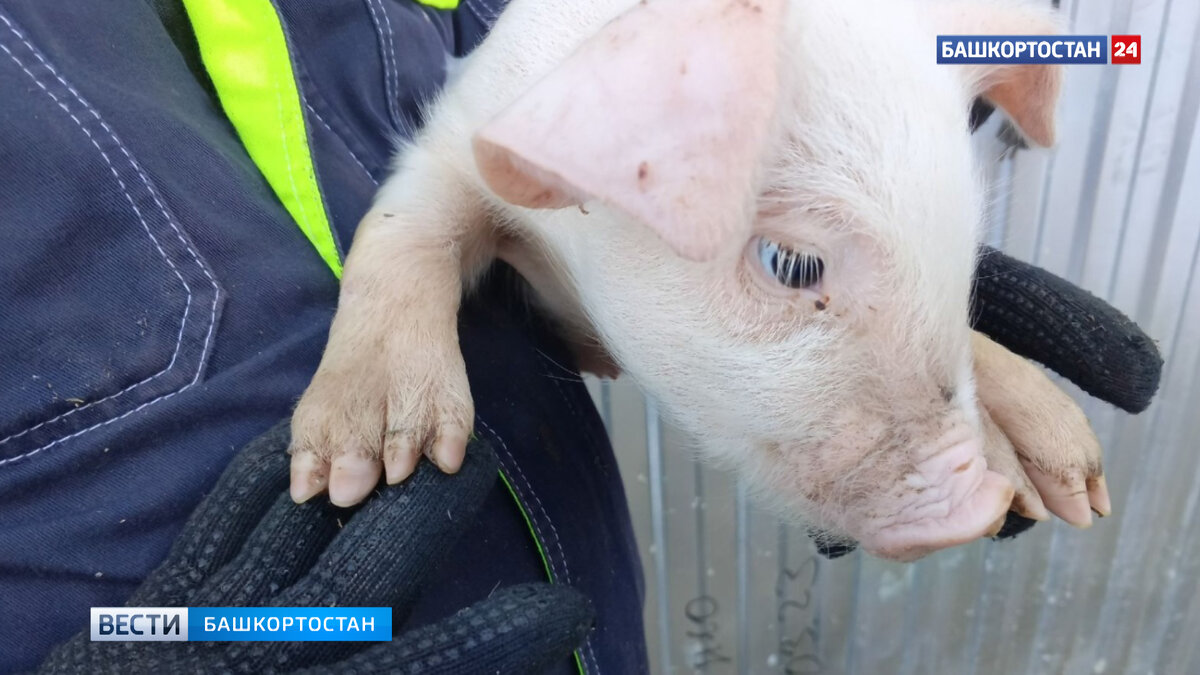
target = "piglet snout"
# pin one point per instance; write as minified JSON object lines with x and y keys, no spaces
{"x":952,"y":499}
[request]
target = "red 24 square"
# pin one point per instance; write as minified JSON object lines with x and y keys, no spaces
{"x":1126,"y":49}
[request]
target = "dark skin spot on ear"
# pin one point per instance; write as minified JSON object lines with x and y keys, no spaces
{"x":820,"y":306}
{"x":389,"y":215}
{"x":757,"y":9}
{"x":643,"y":171}
{"x":947,"y":393}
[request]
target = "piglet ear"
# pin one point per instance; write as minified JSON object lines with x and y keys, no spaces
{"x":1028,"y":93}
{"x":662,"y":115}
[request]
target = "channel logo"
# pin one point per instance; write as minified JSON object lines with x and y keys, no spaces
{"x":139,"y":624}
{"x":1032,"y":49}
{"x":241,"y":624}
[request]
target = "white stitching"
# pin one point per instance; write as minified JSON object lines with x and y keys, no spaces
{"x":124,"y":189}
{"x":145,"y":226}
{"x":487,"y":22}
{"x":339,"y":137}
{"x":389,"y":66}
{"x":587,"y":646}
{"x":287,"y":158}
{"x":158,"y":202}
{"x":141,"y":219}
{"x":391,"y":54}
{"x":545,"y":360}
{"x":141,"y":175}
{"x":520,"y":474}
{"x":588,"y":651}
{"x":31,"y":453}
{"x":393,"y":101}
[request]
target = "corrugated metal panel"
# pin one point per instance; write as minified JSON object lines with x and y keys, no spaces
{"x":1115,"y":208}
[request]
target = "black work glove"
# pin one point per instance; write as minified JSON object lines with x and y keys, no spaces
{"x":248,"y":544}
{"x":1070,"y":331}
{"x":1047,"y":319}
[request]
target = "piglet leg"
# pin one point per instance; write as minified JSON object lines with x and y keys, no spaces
{"x":392,"y":384}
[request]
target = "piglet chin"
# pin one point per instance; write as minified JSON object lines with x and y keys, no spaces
{"x":958,"y":501}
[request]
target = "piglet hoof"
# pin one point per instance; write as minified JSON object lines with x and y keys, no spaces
{"x":1073,"y":493}
{"x":1039,"y":438}
{"x":364,"y":417}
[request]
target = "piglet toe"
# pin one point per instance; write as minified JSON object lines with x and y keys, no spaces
{"x":1030,"y":504}
{"x":351,"y":478}
{"x":1002,"y":458}
{"x":400,"y":457}
{"x":449,"y":449}
{"x":1098,"y":497}
{"x":1026,"y":501}
{"x":1065,"y":496}
{"x":309,"y":476}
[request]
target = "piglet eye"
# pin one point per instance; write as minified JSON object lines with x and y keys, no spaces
{"x":794,"y":269}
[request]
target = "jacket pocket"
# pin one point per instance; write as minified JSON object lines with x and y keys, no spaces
{"x":106,"y":306}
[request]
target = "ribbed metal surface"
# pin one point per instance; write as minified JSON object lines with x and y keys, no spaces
{"x":1115,"y":208}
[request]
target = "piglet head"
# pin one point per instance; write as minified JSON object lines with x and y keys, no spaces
{"x":782,"y":233}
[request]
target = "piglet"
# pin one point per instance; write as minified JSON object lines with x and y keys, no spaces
{"x":763,"y":211}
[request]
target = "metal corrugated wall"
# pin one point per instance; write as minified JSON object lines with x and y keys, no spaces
{"x":1115,"y":208}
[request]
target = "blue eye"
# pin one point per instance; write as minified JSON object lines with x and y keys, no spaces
{"x":794,"y":269}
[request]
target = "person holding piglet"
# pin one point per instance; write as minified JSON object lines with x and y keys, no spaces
{"x":249,"y":300}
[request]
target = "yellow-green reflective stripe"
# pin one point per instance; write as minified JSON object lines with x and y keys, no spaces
{"x":440,"y":4}
{"x":246,"y":54}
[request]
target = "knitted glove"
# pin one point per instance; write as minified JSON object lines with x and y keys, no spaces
{"x":1070,"y":331}
{"x":1047,"y":319}
{"x":248,"y":544}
